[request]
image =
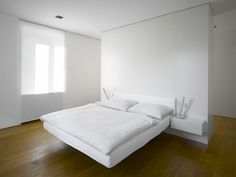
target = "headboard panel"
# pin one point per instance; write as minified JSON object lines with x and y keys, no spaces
{"x":170,"y":102}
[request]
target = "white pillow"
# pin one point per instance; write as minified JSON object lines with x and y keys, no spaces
{"x":152,"y":110}
{"x":118,"y":104}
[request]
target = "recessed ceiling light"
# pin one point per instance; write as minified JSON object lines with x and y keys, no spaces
{"x":59,"y":17}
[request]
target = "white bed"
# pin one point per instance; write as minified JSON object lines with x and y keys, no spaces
{"x":106,"y":135}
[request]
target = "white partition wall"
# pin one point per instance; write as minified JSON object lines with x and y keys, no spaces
{"x":165,"y":57}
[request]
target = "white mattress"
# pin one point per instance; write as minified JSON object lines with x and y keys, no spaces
{"x":120,"y":152}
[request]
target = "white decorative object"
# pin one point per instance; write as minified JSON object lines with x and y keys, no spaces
{"x":106,"y":94}
{"x":182,"y":108}
{"x":175,"y":111}
{"x":194,"y":126}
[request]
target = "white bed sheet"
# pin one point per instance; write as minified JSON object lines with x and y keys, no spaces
{"x":101,"y":127}
{"x":120,"y":152}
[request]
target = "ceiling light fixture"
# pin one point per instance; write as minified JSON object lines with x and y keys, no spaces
{"x":59,"y":17}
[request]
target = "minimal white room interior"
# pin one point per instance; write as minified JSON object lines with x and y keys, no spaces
{"x":58,"y":55}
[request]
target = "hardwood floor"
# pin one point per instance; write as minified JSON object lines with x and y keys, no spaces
{"x":29,"y":151}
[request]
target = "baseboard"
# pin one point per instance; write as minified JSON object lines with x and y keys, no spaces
{"x":200,"y":139}
{"x":226,"y":116}
{"x":29,"y":120}
{"x":9,"y":124}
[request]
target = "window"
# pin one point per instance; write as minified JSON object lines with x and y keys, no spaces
{"x":42,"y":60}
{"x":58,"y":75}
{"x":41,"y":68}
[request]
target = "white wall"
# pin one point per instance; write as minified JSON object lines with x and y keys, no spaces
{"x":33,"y":106}
{"x":224,"y":89}
{"x":9,"y":72}
{"x":167,"y":56}
{"x":82,"y":80}
{"x":210,"y":75}
{"x":83,"y":63}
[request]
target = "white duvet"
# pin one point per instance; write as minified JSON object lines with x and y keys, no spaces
{"x":102,"y":128}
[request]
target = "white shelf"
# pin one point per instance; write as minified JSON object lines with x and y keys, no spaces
{"x":194,"y":126}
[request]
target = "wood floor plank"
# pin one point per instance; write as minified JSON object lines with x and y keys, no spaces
{"x":30,"y":151}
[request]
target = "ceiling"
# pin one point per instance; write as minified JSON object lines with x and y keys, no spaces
{"x":91,"y":17}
